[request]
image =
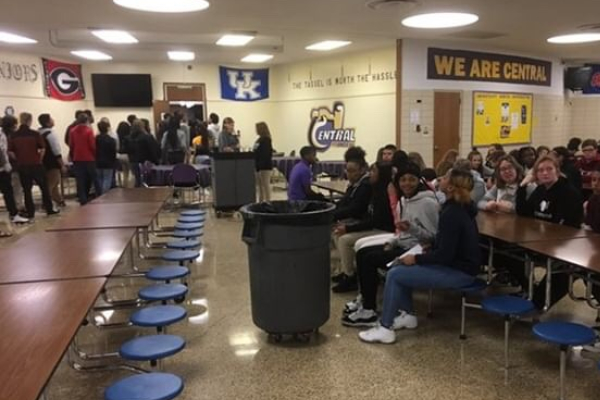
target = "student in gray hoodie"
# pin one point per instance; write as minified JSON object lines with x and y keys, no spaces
{"x":419,"y":211}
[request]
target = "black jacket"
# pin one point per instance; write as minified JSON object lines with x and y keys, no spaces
{"x":379,"y":213}
{"x":457,"y":241}
{"x":106,"y":152}
{"x":356,"y":200}
{"x":143,"y":147}
{"x":561,"y":204}
{"x":573,"y":174}
{"x":263,"y":154}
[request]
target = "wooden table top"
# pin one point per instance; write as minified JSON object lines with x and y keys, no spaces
{"x":516,"y":229}
{"x":134,"y":195}
{"x":38,"y":321}
{"x":107,"y":215}
{"x":583,"y":252}
{"x":333,"y":186}
{"x":44,"y":256}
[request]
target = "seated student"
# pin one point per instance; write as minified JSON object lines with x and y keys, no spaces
{"x":592,"y":220}
{"x":554,"y":200}
{"x":355,"y":202}
{"x":476,"y":160}
{"x":378,"y":220}
{"x":527,"y":158}
{"x":301,"y":177}
{"x":495,"y":147}
{"x":452,"y":263}
{"x":478,"y":183}
{"x":503,"y":195}
{"x":418,"y":225}
{"x":542,"y":151}
{"x":589,"y":162}
{"x":567,"y":167}
{"x":386,"y":153}
{"x":417,"y":158}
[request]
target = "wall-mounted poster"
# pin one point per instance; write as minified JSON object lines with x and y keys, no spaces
{"x":504,"y":118}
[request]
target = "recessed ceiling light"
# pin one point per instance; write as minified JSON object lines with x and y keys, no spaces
{"x":327,"y":45}
{"x":114,"y":36}
{"x":235,"y":40}
{"x":17,"y":39}
{"x":94,"y":55}
{"x":257,"y":58}
{"x":164,"y":6}
{"x":440,"y":20}
{"x":575,"y":38}
{"x":181,"y":55}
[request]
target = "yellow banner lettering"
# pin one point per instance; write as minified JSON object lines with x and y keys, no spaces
{"x":443,"y":65}
{"x":475,"y":71}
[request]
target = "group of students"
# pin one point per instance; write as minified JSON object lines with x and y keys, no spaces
{"x":421,"y":222}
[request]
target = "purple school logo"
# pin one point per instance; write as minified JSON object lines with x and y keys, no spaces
{"x":327,"y":128}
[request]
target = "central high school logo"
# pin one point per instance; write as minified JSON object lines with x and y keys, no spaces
{"x":327,"y":128}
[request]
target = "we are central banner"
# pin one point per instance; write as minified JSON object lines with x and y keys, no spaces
{"x":462,"y":65}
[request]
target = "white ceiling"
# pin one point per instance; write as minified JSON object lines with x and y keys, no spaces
{"x":285,"y":27}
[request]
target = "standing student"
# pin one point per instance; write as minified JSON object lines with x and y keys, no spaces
{"x":173,"y":144}
{"x":8,"y":124}
{"x":74,"y":123}
{"x":263,"y":161}
{"x":452,"y":263}
{"x":52,"y":161}
{"x":554,"y":200}
{"x":228,"y":141}
{"x":106,"y":158}
{"x":124,"y":135}
{"x":83,"y":154}
{"x":142,"y":148}
{"x":27,"y":148}
{"x":214,"y":129}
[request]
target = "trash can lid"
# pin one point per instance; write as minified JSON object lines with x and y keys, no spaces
{"x":280,"y":212}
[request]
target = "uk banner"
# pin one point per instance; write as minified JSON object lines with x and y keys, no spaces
{"x":244,"y":84}
{"x":63,"y":81}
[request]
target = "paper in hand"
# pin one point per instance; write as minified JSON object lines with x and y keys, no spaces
{"x":418,"y":249}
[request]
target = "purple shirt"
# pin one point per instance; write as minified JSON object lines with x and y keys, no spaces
{"x":300,"y":180}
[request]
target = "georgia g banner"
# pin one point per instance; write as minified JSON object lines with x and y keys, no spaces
{"x":63,"y":81}
{"x":244,"y":84}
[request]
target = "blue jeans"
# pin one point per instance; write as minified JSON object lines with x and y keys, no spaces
{"x":105,"y":179}
{"x":401,"y":280}
{"x":85,"y":176}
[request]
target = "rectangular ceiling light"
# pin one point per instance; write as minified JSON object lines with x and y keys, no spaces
{"x":181,"y":55}
{"x":93,"y":55}
{"x":7,"y":37}
{"x":114,"y":36}
{"x":234,"y":40}
{"x":328,"y":45}
{"x":257,"y":58}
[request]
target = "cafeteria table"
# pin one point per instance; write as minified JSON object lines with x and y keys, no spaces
{"x":39,"y":320}
{"x":135,"y":195}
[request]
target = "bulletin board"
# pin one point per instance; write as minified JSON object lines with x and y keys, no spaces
{"x":500,"y":117}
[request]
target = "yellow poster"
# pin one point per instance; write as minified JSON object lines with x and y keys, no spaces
{"x":504,"y":118}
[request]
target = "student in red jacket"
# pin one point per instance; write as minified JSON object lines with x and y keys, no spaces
{"x":83,"y":154}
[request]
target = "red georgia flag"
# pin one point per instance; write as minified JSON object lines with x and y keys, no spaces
{"x":63,"y":81}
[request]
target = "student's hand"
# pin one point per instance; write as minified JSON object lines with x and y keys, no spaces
{"x":402,"y":226}
{"x":527,"y":180}
{"x":408,"y":259}
{"x":340,"y":230}
{"x":504,"y":206}
{"x":491,"y":206}
{"x":387,"y":247}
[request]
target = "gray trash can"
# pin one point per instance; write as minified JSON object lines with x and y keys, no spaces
{"x":290,"y":262}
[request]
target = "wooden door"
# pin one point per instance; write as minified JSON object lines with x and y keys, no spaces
{"x":446,"y":124}
{"x":159,"y":107}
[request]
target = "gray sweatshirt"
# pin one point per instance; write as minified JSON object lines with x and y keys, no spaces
{"x":422,"y":212}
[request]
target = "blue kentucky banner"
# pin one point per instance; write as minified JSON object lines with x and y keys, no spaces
{"x":244,"y":84}
{"x":593,"y":86}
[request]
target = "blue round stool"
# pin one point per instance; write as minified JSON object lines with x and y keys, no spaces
{"x":192,"y":213}
{"x":181,"y":256}
{"x":191,"y":219}
{"x":478,"y":285}
{"x":564,"y":334}
{"x":158,"y":317}
{"x":183,"y":244}
{"x":509,"y":307}
{"x":185,"y":234}
{"x":167,"y":273}
{"x":152,"y":386}
{"x":151,"y":348}
{"x":163,"y":292}
{"x":180,"y":226}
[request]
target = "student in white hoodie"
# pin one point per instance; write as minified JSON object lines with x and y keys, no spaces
{"x":418,"y":212}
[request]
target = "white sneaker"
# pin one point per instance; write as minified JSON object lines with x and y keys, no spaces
{"x":361,"y":317}
{"x":17,"y":219}
{"x":593,"y":348}
{"x":353,"y":306}
{"x":405,"y":321}
{"x":378,"y":334}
